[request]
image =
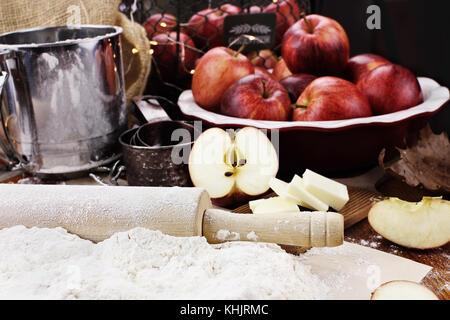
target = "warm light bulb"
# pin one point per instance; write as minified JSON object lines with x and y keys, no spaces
{"x":151,"y":51}
{"x":192,"y":71}
{"x":153,"y":43}
{"x":163,"y":24}
{"x":134,"y":50}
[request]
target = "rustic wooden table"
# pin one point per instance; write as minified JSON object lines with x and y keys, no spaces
{"x":438,"y":279}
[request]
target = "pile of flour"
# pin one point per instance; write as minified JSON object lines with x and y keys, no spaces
{"x":142,"y":264}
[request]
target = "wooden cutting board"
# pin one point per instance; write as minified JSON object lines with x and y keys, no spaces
{"x":355,"y":210}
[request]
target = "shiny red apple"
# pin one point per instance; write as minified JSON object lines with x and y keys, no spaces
{"x":218,"y":69}
{"x":159,"y":22}
{"x":257,"y":97}
{"x":361,"y":64}
{"x":165,"y":54}
{"x":254,"y":9}
{"x":288,"y":12}
{"x":263,"y":58}
{"x":331,"y":98}
{"x":281,"y":71}
{"x":264,"y":72}
{"x":391,"y":88}
{"x":316,"y":45}
{"x":206,"y":26}
{"x":296,"y":84}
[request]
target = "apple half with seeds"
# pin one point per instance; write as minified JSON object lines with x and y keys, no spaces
{"x":421,"y":225}
{"x":403,"y":290}
{"x":233,"y":166}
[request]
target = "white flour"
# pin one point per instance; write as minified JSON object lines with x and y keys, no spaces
{"x":141,"y":264}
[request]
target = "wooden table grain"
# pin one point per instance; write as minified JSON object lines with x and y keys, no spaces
{"x":438,"y":279}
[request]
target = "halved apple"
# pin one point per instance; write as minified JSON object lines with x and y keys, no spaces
{"x":273,"y":205}
{"x":233,"y":167}
{"x":421,"y":225}
{"x":403,"y":290}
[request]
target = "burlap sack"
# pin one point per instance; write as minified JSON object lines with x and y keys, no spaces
{"x":16,"y":15}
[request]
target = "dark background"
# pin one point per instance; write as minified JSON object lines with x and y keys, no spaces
{"x":414,"y":33}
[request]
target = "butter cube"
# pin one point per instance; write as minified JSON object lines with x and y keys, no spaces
{"x":280,"y":188}
{"x":297,"y":189}
{"x":332,"y":193}
{"x":254,"y":203}
{"x":273,"y":205}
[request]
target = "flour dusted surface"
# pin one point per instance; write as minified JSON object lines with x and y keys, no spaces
{"x":142,"y":264}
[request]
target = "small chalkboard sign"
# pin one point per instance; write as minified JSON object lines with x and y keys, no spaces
{"x":262,"y":26}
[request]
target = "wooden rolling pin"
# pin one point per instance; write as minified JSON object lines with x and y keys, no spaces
{"x":95,"y":213}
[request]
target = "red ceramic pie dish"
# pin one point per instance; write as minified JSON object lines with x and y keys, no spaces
{"x":333,"y":146}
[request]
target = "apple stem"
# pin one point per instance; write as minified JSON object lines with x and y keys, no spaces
{"x":264,"y":93}
{"x":240,"y":49}
{"x":308,"y":24}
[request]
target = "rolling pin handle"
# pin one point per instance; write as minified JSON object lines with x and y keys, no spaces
{"x":304,"y":229}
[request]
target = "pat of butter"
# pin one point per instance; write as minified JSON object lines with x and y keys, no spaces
{"x":254,"y":203}
{"x":332,"y":193}
{"x":273,"y":205}
{"x":297,"y":189}
{"x":280,"y":188}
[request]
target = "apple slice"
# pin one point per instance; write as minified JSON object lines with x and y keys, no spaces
{"x":421,"y":225}
{"x":297,"y":189}
{"x":233,"y":170}
{"x":402,"y":290}
{"x":273,"y":205}
{"x":332,"y":193}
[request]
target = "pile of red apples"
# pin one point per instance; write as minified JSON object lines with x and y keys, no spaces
{"x":176,"y":53}
{"x":313,"y":80}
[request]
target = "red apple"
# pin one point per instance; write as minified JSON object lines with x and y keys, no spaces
{"x":391,"y":88}
{"x":165,"y":54}
{"x":159,"y":23}
{"x":281,"y":71}
{"x":296,"y":84}
{"x":288,"y":12}
{"x":264,"y":58}
{"x":206,"y":26}
{"x":316,"y":45}
{"x":264,"y":72}
{"x":218,"y":69}
{"x":331,"y":98}
{"x":361,"y":64}
{"x":257,"y":97}
{"x":254,"y":9}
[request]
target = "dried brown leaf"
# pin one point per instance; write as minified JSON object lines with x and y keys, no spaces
{"x":426,"y":163}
